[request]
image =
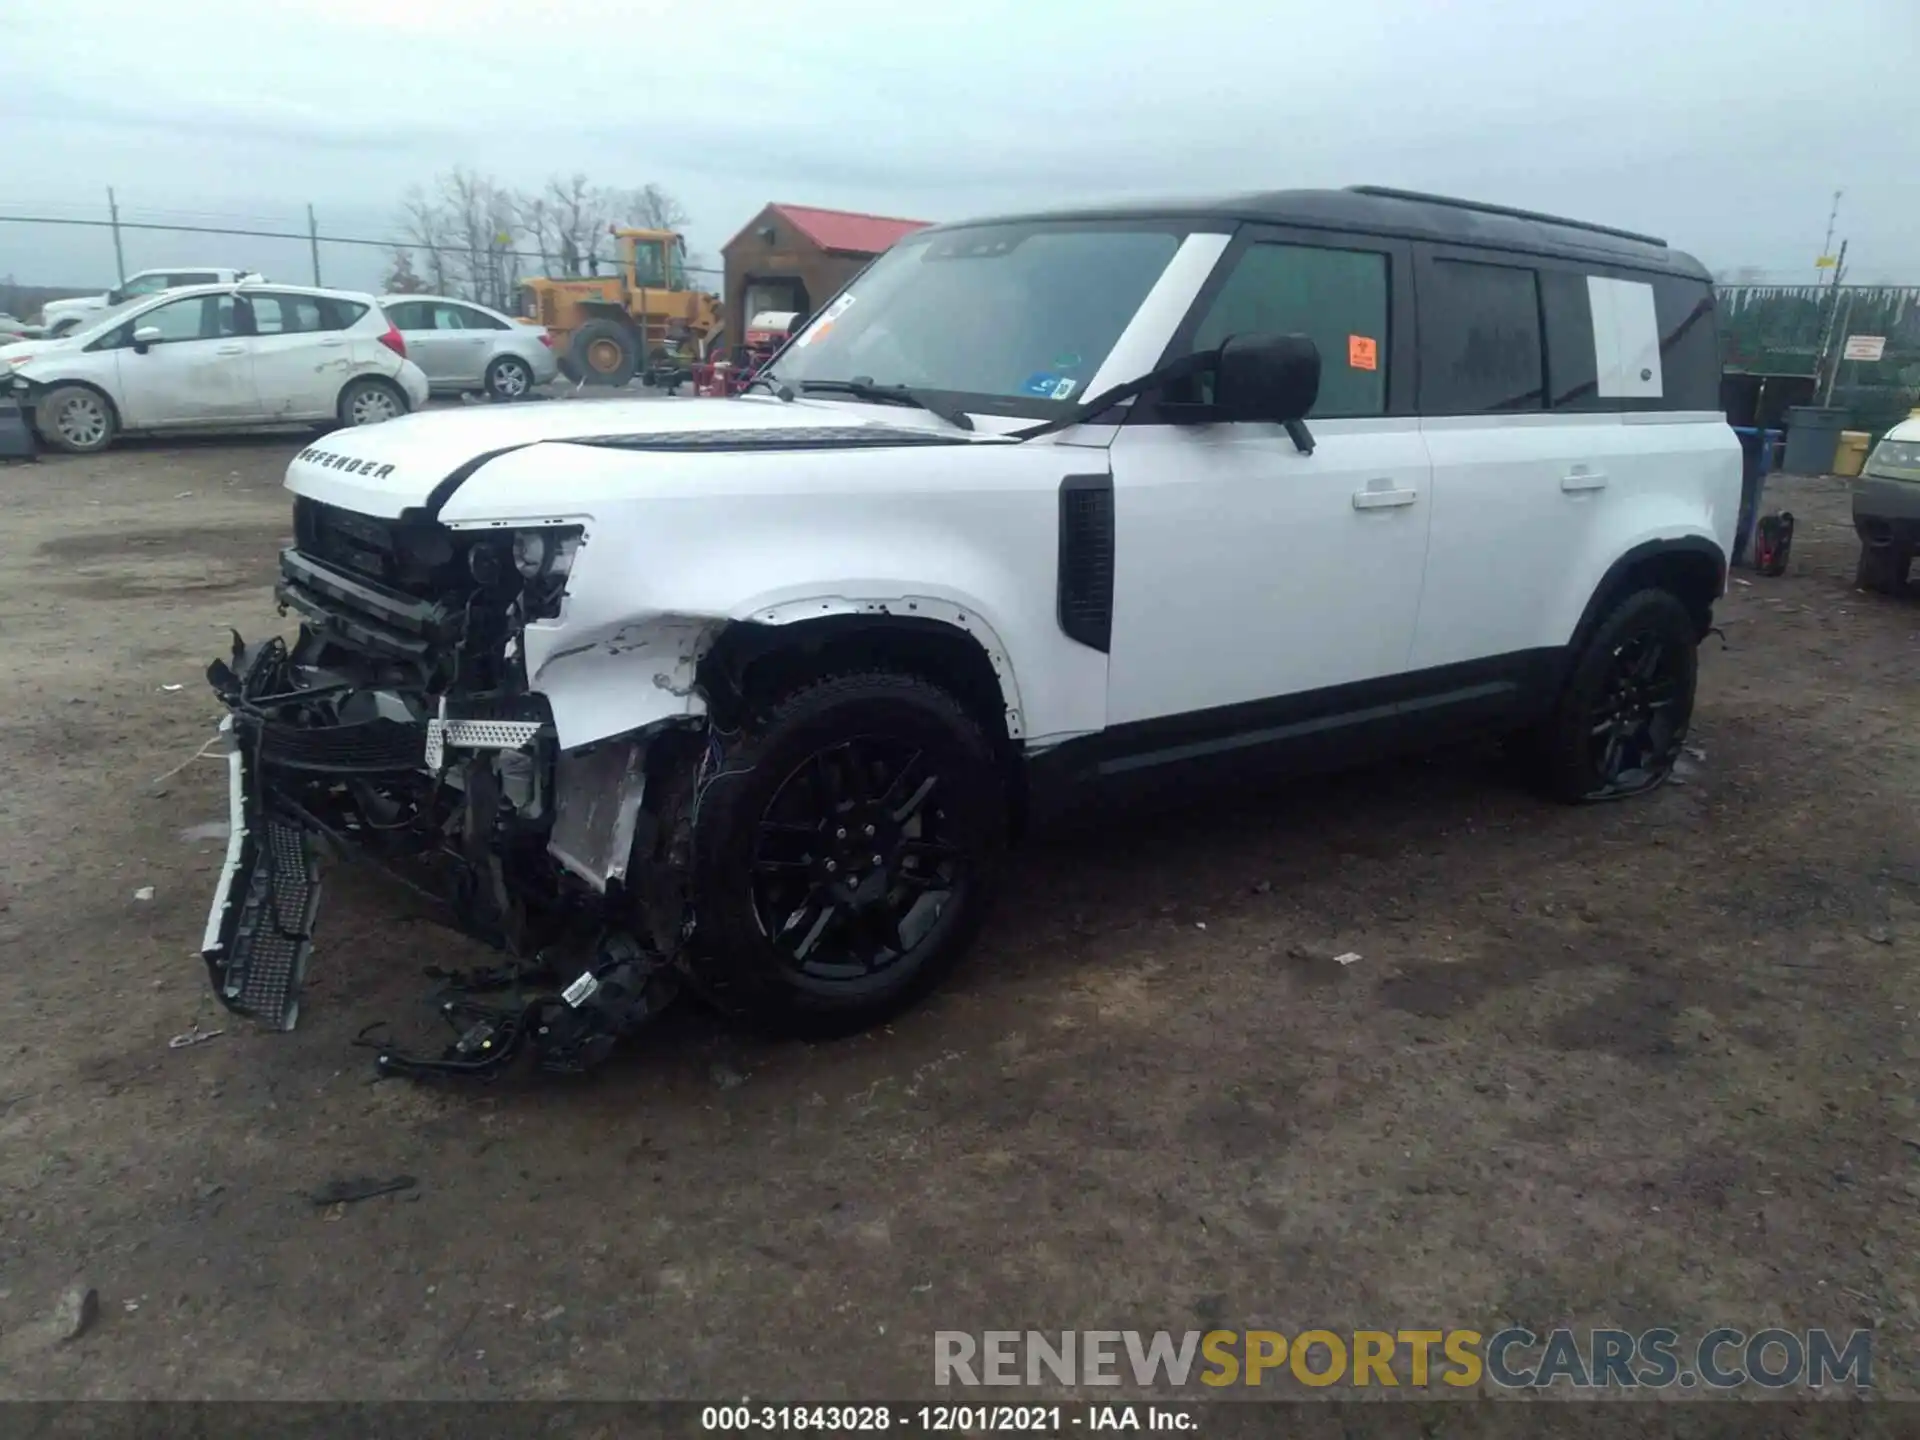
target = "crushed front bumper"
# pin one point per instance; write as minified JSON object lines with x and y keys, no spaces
{"x":259,"y":931}
{"x":472,"y":811}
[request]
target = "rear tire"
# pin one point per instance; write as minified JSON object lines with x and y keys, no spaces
{"x":371,"y":401}
{"x":1618,"y":726}
{"x":1882,"y":569}
{"x":509,"y":378}
{"x":605,"y":352}
{"x":77,"y":419}
{"x":844,"y":854}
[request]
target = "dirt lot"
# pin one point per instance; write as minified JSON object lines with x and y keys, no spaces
{"x":1643,"y":1064}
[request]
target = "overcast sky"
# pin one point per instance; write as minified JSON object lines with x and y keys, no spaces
{"x":1724,"y":125}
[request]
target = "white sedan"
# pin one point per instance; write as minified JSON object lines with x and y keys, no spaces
{"x":216,"y":357}
{"x":467,"y":347}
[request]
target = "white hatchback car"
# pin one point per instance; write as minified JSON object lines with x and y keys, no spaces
{"x":217,"y":356}
{"x":466,"y":347}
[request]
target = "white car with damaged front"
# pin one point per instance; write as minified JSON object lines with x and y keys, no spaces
{"x":751,"y":694}
{"x":226,"y":356}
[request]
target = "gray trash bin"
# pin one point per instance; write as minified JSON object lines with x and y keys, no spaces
{"x":1813,"y":435}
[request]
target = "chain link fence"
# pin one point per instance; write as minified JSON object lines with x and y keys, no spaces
{"x":111,"y":246}
{"x":1802,"y":330}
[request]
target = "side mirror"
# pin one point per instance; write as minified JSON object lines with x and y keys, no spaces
{"x":1271,"y":378}
{"x":143,"y":337}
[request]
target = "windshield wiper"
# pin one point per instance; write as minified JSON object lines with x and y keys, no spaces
{"x":779,"y":387}
{"x":862,"y":388}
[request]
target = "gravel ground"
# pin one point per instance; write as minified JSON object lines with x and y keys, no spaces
{"x":1641,"y":1064}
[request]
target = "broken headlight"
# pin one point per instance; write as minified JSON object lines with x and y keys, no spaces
{"x":544,"y":554}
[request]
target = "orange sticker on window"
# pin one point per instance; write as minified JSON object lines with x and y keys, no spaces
{"x":1363,"y":353}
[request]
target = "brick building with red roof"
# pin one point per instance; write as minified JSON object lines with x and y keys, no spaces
{"x":792,"y":257}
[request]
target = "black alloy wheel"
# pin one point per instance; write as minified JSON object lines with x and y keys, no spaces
{"x":852,"y":863}
{"x":1634,"y":733}
{"x":845,"y":848}
{"x":1622,"y":716}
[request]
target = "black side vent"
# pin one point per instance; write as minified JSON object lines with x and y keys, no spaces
{"x":1086,"y":559}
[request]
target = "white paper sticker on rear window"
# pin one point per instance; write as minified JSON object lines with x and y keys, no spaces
{"x":1626,"y":339}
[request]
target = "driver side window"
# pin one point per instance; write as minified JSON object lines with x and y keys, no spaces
{"x":190,"y":319}
{"x":1336,"y":298}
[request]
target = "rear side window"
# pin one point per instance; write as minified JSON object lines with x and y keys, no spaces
{"x":1337,"y":298}
{"x":340,"y":314}
{"x":460,"y":317}
{"x":1689,"y":343}
{"x":301,"y":314}
{"x":192,"y":277}
{"x":1480,"y":342}
{"x":1630,"y":343}
{"x":411,"y":315}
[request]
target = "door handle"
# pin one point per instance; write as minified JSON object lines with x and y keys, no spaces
{"x":1574,"y":481}
{"x":1382,"y":498}
{"x":332,"y":344}
{"x":231,"y":350}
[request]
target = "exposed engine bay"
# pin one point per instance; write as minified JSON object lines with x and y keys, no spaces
{"x":399,"y":732}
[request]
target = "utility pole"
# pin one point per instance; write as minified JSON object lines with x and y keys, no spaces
{"x":119,"y":255}
{"x":1833,"y":315}
{"x":313,"y":239}
{"x":1826,"y":245}
{"x":1840,"y":354}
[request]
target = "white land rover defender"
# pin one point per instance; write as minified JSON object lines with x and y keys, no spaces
{"x":749,"y":694}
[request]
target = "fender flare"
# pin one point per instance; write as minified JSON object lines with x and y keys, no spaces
{"x":919,"y":608}
{"x":1695,"y":547}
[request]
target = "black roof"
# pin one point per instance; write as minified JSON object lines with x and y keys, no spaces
{"x":1376,"y":210}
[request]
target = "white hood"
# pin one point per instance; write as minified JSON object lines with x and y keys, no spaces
{"x":385,"y":469}
{"x":71,"y":305}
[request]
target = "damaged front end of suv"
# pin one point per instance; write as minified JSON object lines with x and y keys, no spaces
{"x":399,"y":730}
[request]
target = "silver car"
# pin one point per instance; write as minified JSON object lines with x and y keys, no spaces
{"x":465,"y":347}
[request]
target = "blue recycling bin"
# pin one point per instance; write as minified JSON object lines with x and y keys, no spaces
{"x":1756,"y":459}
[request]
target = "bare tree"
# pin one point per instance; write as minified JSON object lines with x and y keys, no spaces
{"x":580,"y":222}
{"x":401,"y":277}
{"x":424,"y":227}
{"x":479,"y":236}
{"x":651,"y":208}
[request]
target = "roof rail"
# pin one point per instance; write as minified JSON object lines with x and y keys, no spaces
{"x":1388,"y":193}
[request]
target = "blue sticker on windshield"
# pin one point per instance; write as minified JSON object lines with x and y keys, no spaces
{"x":1040,"y":383}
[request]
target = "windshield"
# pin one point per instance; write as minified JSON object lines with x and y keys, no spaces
{"x":99,"y":320}
{"x":1013,"y":319}
{"x":1894,"y":460}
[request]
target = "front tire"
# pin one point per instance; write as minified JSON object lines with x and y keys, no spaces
{"x":1882,"y":569}
{"x":605,"y":352}
{"x":844,"y":854}
{"x":509,"y":378}
{"x":76,"y":419}
{"x":1623,"y":716}
{"x":369,"y":401}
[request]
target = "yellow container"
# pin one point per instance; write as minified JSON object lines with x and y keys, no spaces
{"x":1851,"y":453}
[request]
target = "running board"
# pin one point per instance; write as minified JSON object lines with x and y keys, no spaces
{"x":260,"y":928}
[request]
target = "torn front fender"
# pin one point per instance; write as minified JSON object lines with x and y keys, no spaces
{"x":627,"y":678}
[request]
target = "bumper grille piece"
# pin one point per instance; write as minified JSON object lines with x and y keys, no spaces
{"x":266,"y":934}
{"x":371,"y":747}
